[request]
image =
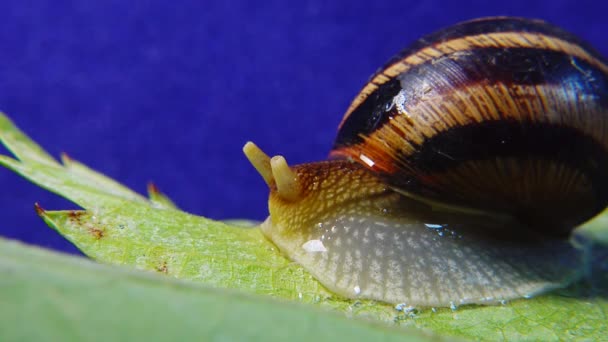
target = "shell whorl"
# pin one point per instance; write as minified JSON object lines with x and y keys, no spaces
{"x":502,"y":114}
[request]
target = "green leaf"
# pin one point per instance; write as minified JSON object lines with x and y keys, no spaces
{"x":46,"y":296}
{"x":119,"y":226}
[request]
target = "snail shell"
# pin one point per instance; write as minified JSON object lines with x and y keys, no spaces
{"x":505,"y":115}
{"x":458,"y":171}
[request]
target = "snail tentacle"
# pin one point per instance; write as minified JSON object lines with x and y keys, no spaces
{"x":288,"y":186}
{"x":259,"y":160}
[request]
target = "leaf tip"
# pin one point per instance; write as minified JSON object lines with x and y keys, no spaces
{"x":39,"y":210}
{"x":153,"y":189}
{"x":65,"y":158}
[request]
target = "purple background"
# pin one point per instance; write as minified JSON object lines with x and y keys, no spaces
{"x":170,"y":91}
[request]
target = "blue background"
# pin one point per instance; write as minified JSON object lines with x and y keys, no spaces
{"x":170,"y":91}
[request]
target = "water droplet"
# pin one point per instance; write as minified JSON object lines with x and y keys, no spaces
{"x":313,"y":246}
{"x":405,"y":308}
{"x":433,"y":226}
{"x":453,"y":306}
{"x":399,"y":307}
{"x":357,"y":290}
{"x":433,"y":309}
{"x":300,"y":295}
{"x":503,"y":302}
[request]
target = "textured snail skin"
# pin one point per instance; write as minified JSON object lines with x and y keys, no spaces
{"x":457,"y":174}
{"x":362,"y":240}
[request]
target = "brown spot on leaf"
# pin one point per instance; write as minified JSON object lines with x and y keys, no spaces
{"x":75,"y":215}
{"x":162,"y":268}
{"x":97,"y":232}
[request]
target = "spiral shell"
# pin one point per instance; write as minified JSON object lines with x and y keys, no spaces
{"x":501,"y":115}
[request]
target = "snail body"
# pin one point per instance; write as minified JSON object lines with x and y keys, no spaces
{"x":458,"y":172}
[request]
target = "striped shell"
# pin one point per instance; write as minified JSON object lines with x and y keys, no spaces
{"x":500,"y":115}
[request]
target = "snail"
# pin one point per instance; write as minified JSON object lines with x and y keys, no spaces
{"x":458,"y":172}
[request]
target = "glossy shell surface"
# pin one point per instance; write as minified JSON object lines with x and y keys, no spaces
{"x":506,"y":115}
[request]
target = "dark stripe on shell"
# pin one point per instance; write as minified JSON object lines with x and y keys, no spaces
{"x":475,"y":28}
{"x":511,"y":139}
{"x":549,"y":144}
{"x":370,"y":115}
{"x":491,"y":25}
{"x":512,"y":66}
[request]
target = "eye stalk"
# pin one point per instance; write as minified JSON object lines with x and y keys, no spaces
{"x":275,"y":171}
{"x":260,"y":161}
